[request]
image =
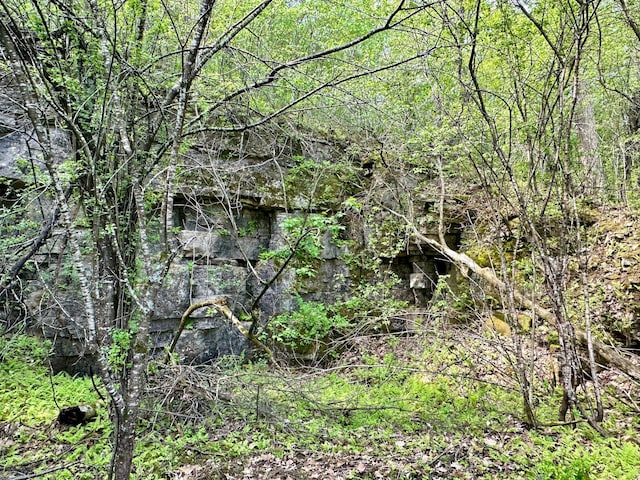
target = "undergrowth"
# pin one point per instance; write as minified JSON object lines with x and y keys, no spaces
{"x":410,"y":409}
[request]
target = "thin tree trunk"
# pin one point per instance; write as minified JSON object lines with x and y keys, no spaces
{"x":125,"y":444}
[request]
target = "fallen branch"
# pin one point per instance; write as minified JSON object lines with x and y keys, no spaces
{"x":610,"y":355}
{"x":219,"y":304}
{"x":44,"y":472}
{"x":36,"y":243}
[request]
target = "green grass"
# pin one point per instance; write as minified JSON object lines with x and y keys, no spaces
{"x":390,"y":417}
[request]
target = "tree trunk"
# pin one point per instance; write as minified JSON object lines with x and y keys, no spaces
{"x":586,"y":128}
{"x":125,"y":444}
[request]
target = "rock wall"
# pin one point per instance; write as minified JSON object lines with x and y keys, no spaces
{"x":232,"y":200}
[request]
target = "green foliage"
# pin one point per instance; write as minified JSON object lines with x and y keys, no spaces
{"x":19,"y":224}
{"x":570,"y":459}
{"x":441,"y":299}
{"x":28,"y":412}
{"x":413,"y":410}
{"x":20,"y":349}
{"x":303,"y":329}
{"x":118,"y":350}
{"x":249,"y":230}
{"x":33,"y":442}
{"x":373,"y":304}
{"x":388,"y":234}
{"x":419,"y":112}
{"x":305,"y":238}
{"x":321,"y":184}
{"x":307,"y":233}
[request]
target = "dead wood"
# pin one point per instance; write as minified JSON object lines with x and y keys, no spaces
{"x":219,"y":304}
{"x":608,"y":354}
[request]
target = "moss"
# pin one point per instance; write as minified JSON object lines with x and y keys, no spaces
{"x":498,"y":326}
{"x":483,"y":256}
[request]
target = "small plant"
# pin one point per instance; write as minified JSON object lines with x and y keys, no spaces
{"x":300,"y":331}
{"x":305,"y":237}
{"x":249,"y":230}
{"x":119,"y":349}
{"x":373,"y":303}
{"x":441,"y":292}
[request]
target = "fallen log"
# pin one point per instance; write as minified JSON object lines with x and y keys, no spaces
{"x":608,"y":354}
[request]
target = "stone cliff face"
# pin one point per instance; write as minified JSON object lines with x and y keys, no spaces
{"x":234,"y":196}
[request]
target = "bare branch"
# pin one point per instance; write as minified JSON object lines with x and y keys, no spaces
{"x":221,"y":305}
{"x":276,"y":72}
{"x":305,"y":96}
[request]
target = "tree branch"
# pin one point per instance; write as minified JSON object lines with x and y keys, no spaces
{"x":219,"y":304}
{"x":465,"y":264}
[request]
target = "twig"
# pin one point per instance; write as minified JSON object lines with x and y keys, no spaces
{"x":45,"y":472}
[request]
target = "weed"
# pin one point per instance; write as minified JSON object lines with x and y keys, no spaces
{"x":301,"y":330}
{"x":392,"y":416}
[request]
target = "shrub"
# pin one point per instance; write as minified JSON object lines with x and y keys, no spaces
{"x":302,"y":330}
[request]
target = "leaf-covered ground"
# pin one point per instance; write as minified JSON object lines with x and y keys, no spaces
{"x":441,"y":404}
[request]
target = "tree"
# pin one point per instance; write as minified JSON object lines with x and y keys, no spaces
{"x":529,"y":135}
{"x":518,"y":111}
{"x":134,"y":85}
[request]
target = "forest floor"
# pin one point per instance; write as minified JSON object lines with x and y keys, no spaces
{"x":430,"y":403}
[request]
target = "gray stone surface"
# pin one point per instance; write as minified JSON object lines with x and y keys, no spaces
{"x":229,"y":209}
{"x":21,"y":155}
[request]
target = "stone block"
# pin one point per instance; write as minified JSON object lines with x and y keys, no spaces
{"x":417,"y":280}
{"x":173,"y":299}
